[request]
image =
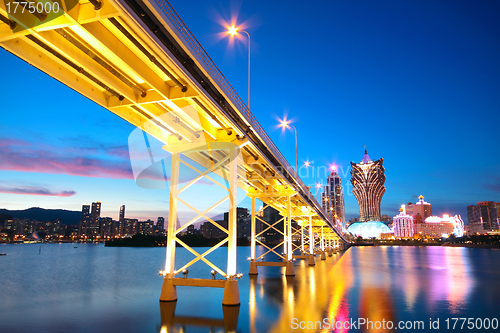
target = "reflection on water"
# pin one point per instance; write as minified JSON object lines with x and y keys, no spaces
{"x":170,"y":322}
{"x":380,"y":284}
{"x":97,"y":289}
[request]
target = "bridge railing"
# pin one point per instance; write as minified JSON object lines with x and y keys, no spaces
{"x":219,"y":78}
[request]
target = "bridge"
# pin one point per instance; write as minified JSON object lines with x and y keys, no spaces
{"x":140,"y":61}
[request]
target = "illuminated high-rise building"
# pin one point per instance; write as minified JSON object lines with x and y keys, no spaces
{"x":332,"y":199}
{"x":403,"y":224}
{"x":122,"y":213}
{"x":84,"y":220}
{"x":121,"y":220}
{"x":367,"y":179}
{"x":422,"y":208}
{"x":160,"y":223}
{"x":485,"y":216}
{"x":95,"y":216}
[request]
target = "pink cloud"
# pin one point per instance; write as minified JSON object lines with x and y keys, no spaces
{"x":30,"y":190}
{"x":19,"y":155}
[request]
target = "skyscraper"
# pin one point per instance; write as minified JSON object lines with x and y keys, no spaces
{"x":95,"y":215}
{"x":332,"y":199}
{"x":485,"y":215}
{"x":367,"y":179}
{"x":121,"y":219}
{"x":160,"y":224}
{"x":84,"y":220}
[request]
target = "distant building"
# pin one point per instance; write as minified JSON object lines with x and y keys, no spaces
{"x":421,"y":208}
{"x":122,"y":213}
{"x":332,"y":199}
{"x":436,"y":227}
{"x":243,"y":221}
{"x":208,"y":230}
{"x":386,"y":219}
{"x":115,"y":230}
{"x":130,"y":226}
{"x":272,"y":216}
{"x":95,"y":216}
{"x":367,"y":179}
{"x":144,"y":227}
{"x":84,"y":220}
{"x":121,"y":219}
{"x":105,"y":227}
{"x":484,"y":216}
{"x":403,"y":224}
{"x":160,"y":224}
{"x":191,"y":230}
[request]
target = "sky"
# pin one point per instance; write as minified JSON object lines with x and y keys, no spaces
{"x":418,"y":82}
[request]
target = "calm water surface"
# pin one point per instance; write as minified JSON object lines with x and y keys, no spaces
{"x":96,"y":289}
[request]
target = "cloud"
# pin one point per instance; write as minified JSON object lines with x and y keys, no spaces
{"x":32,"y":190}
{"x":87,"y":144}
{"x":494,"y":185}
{"x":12,"y":142}
{"x":19,"y":155}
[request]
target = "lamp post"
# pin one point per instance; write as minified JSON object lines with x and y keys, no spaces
{"x":307,"y":164}
{"x":334,"y":215}
{"x":286,"y":124}
{"x":318,"y":186}
{"x":234,"y":31}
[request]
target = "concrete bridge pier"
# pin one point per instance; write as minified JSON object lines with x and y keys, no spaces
{"x":231,"y":296}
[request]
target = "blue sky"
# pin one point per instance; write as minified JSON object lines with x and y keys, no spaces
{"x":417,"y":81}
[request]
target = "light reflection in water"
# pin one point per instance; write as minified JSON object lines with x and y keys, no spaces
{"x":380,"y":277}
{"x":459,"y":280}
{"x":170,"y":322}
{"x":95,"y":289}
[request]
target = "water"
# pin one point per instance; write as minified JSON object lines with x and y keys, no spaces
{"x":96,"y":289}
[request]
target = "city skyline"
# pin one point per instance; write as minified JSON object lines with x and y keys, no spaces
{"x":435,"y":81}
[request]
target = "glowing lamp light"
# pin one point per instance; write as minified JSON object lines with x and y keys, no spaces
{"x":232,"y":30}
{"x":307,"y":163}
{"x":333,"y":168}
{"x":284,"y":123}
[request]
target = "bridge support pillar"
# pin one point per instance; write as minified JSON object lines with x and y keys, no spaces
{"x":168,"y":290}
{"x":302,"y":238}
{"x":252,"y":232}
{"x":323,"y":255}
{"x":231,"y":295}
{"x":311,"y":243}
{"x":289,"y":270}
{"x":272,"y":198}
{"x":253,"y":268}
{"x":288,"y":231}
{"x":229,"y":162}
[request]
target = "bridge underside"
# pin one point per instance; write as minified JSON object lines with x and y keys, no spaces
{"x":138,"y":60}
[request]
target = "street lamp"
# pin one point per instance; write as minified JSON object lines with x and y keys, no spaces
{"x":234,"y":31}
{"x":286,"y":124}
{"x":334,"y":169}
{"x":307,"y":164}
{"x":318,"y":186}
